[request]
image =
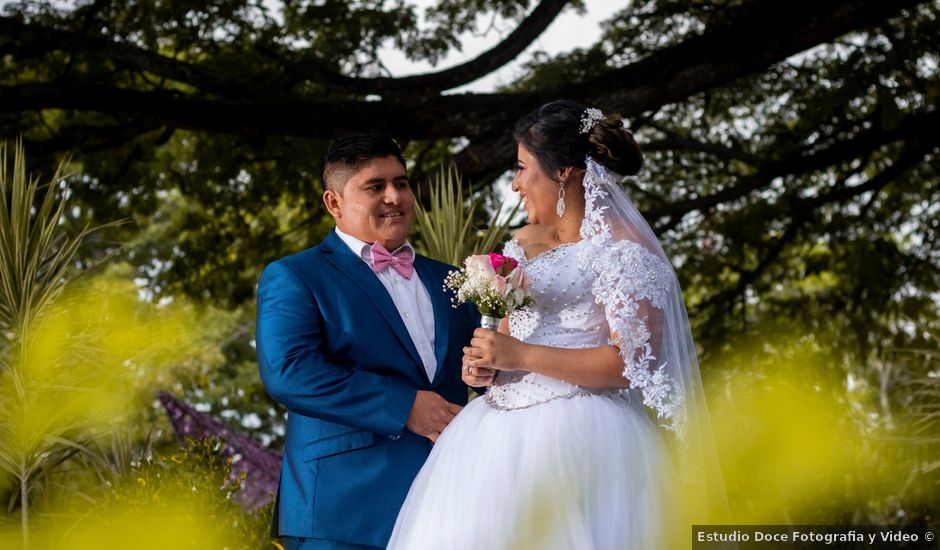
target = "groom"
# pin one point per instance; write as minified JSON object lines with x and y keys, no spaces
{"x":357,"y":339}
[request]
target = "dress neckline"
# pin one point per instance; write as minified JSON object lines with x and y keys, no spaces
{"x":544,"y":252}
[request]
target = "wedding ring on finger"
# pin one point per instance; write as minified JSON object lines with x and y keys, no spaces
{"x":469,"y":369}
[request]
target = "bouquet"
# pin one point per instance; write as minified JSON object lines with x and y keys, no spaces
{"x":494,"y":283}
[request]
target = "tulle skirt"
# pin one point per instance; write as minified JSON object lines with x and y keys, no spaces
{"x":589,"y":472}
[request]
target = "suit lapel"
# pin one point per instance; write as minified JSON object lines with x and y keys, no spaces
{"x":441,"y":305}
{"x":352,"y":266}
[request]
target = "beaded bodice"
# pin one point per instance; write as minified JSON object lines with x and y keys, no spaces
{"x":565,"y":315}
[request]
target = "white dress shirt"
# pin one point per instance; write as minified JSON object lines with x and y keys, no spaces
{"x":411,"y":300}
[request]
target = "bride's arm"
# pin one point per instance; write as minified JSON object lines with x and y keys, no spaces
{"x":600,"y":367}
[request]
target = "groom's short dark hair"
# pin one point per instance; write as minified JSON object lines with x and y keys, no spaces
{"x":350,"y":151}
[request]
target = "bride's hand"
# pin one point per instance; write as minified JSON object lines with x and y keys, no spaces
{"x":493,"y":350}
{"x":476,"y":377}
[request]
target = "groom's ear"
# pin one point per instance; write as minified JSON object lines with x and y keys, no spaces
{"x":333,"y":200}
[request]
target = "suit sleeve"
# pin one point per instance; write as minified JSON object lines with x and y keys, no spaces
{"x":297,"y":374}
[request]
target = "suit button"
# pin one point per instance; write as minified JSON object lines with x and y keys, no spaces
{"x":395,"y":437}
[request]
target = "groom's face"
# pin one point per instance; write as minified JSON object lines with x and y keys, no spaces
{"x":375,"y":204}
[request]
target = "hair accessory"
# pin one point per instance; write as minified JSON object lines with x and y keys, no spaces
{"x":589,"y":119}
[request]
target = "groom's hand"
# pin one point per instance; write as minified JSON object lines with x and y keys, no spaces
{"x":430,"y":414}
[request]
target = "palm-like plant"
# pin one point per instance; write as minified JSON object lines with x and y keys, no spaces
{"x":35,"y":256}
{"x":924,"y":404}
{"x":34,"y":252}
{"x":447,"y":229}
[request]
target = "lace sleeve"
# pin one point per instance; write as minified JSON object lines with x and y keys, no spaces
{"x":513,"y":249}
{"x":633,"y":284}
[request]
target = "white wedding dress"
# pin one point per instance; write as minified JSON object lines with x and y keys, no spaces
{"x":540,"y":463}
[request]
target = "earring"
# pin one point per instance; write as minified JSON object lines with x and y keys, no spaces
{"x":560,"y":206}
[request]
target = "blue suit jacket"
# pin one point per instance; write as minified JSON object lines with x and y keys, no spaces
{"x":333,"y":349}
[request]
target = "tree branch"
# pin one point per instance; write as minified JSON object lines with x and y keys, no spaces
{"x":32,"y":40}
{"x":89,"y":138}
{"x":430,"y":83}
{"x":674,"y":142}
{"x":802,"y":210}
{"x":757,"y":35}
{"x":920,"y":126}
{"x":761,"y":33}
{"x":413,"y":119}
{"x":29,"y":40}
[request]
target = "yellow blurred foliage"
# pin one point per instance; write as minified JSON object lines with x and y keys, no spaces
{"x":82,"y":367}
{"x":790,"y":450}
{"x":179,"y":523}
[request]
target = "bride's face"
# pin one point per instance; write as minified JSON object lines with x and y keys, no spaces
{"x":538,"y":192}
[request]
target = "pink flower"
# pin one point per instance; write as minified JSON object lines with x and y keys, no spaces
{"x":500,"y":283}
{"x":517,"y":279}
{"x":498,"y":261}
{"x":495,"y":283}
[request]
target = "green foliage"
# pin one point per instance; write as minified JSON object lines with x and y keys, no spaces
{"x":220,"y":377}
{"x":907,"y":390}
{"x":76,"y":355}
{"x":446,"y":229}
{"x":34,"y":259}
{"x":209,"y":209}
{"x":576,"y":66}
{"x":199,"y":470}
{"x":34,"y":253}
{"x":793,"y":247}
{"x":186,"y":498}
{"x":800,"y":443}
{"x":781,"y":248}
{"x":208,"y":212}
{"x":225,"y":209}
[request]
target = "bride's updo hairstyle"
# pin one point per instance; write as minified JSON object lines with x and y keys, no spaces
{"x":552,"y":133}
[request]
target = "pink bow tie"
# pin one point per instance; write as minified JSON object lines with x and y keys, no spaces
{"x":402,"y":261}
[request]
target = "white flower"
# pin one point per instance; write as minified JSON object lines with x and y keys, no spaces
{"x":494,"y":294}
{"x":479,"y":267}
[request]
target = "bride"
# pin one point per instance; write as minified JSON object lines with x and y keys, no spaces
{"x":593,"y":433}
